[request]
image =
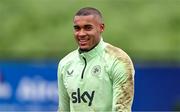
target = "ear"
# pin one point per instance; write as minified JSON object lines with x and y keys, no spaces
{"x":102,"y":26}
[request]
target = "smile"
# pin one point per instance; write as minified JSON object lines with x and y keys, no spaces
{"x":83,"y":41}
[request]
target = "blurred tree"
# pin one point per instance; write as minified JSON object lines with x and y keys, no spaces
{"x":147,"y":30}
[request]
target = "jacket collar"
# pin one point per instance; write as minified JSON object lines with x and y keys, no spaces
{"x":97,"y":50}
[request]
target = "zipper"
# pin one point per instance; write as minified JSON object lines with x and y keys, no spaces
{"x":84,"y":67}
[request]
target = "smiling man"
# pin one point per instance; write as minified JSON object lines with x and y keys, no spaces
{"x":97,"y":76}
{"x":87,"y":30}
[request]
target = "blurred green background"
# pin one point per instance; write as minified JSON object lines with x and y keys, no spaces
{"x":41,"y":29}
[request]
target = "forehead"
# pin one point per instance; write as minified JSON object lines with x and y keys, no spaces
{"x":89,"y":19}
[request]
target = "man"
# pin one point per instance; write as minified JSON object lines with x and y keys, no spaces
{"x":97,"y":76}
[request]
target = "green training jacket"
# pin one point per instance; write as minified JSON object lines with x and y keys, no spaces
{"x":99,"y":80}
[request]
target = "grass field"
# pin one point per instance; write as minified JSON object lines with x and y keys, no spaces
{"x":146,"y":30}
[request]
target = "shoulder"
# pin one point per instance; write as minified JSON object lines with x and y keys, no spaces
{"x":68,"y":58}
{"x":117,"y":54}
{"x":119,"y":59}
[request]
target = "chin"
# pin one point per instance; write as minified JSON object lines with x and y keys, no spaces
{"x":84,"y":48}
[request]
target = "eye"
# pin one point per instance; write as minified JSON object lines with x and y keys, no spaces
{"x":88,"y":27}
{"x":77,"y":28}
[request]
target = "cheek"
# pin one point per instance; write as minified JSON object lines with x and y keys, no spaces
{"x":75,"y":33}
{"x":75,"y":37}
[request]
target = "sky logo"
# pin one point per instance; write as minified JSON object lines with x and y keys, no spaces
{"x":85,"y":97}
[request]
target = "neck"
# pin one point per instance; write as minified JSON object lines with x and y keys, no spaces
{"x":86,"y":50}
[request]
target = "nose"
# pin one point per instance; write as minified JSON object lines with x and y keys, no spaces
{"x":81,"y":33}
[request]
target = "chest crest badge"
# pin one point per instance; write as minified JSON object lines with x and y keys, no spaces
{"x":96,"y":70}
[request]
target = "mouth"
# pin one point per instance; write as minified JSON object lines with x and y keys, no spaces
{"x":83,"y":41}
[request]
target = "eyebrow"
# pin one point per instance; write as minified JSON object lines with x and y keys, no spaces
{"x":88,"y":25}
{"x":83,"y":26}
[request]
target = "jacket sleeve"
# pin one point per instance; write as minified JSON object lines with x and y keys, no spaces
{"x":123,"y":85}
{"x":64,"y":105}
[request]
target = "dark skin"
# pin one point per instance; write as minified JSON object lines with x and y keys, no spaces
{"x":87,"y":31}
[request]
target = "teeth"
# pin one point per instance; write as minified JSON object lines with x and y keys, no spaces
{"x":83,"y":40}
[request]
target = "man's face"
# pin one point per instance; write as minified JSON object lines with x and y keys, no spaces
{"x":87,"y":31}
